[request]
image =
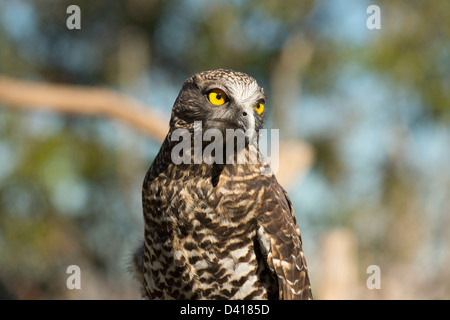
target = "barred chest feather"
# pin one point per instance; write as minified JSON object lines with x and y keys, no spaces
{"x":200,"y":234}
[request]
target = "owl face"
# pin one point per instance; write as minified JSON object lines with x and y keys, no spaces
{"x":221,"y":99}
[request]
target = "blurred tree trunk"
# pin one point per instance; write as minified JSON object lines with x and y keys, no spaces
{"x":338,"y":265}
{"x":296,"y":157}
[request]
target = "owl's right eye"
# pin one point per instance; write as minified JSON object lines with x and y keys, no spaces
{"x":217,"y":97}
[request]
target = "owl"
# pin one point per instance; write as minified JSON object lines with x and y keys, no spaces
{"x":220,"y":230}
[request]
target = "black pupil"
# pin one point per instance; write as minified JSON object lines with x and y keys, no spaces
{"x":218,"y":96}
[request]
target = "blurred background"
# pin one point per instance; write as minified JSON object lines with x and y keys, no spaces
{"x":364,"y":118}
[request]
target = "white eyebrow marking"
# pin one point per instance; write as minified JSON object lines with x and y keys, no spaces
{"x":246,"y":94}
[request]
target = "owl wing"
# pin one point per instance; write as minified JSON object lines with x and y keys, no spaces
{"x":280,"y":241}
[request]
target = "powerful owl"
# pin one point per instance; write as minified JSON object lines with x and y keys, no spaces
{"x":221,"y":229}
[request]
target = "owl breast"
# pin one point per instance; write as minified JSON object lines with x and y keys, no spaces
{"x":200,"y":239}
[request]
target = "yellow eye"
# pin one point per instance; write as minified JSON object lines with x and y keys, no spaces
{"x":259,"y":108}
{"x":217,"y":97}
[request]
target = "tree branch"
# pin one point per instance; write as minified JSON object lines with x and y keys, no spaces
{"x":82,"y":100}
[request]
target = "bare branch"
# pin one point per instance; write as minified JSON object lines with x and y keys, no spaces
{"x":82,"y":100}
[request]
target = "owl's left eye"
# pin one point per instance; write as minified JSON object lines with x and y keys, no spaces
{"x":217,"y":97}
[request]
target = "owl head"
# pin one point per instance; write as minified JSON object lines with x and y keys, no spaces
{"x":221,"y":99}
